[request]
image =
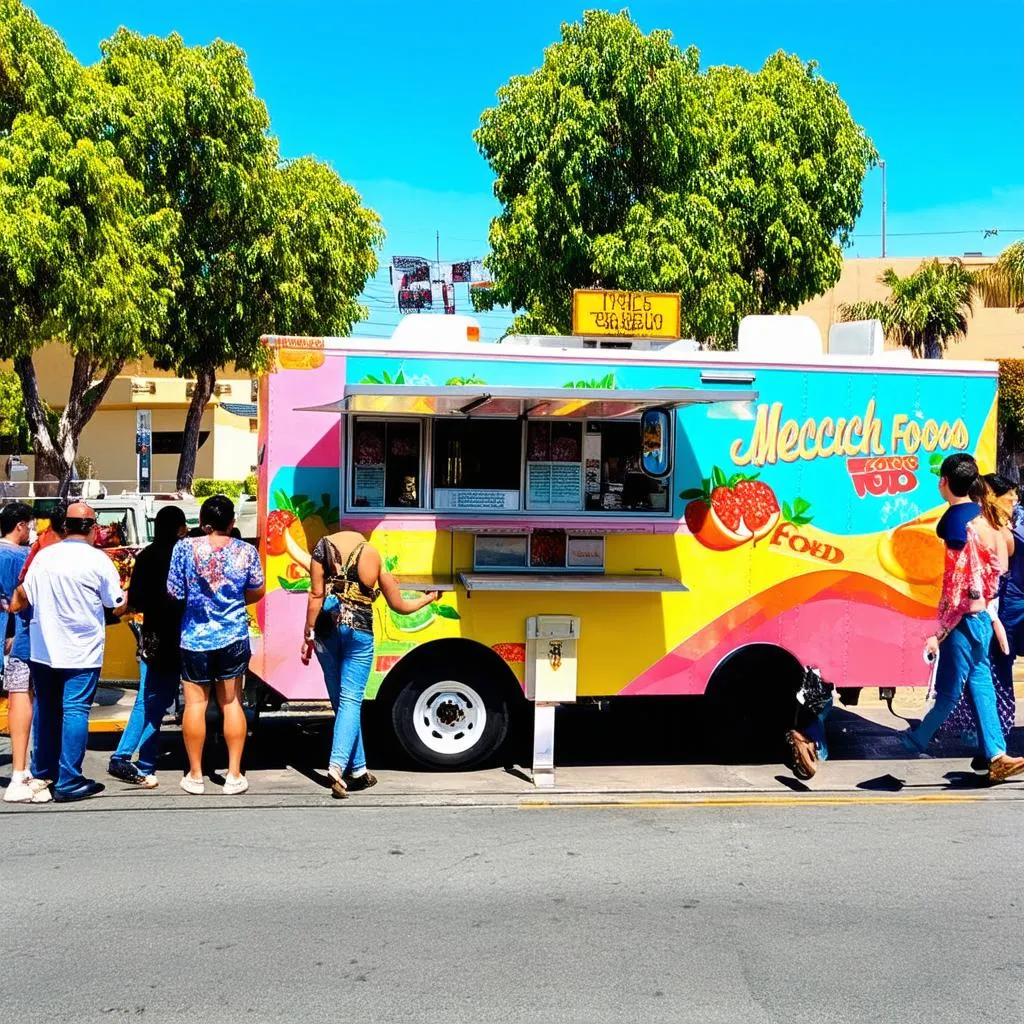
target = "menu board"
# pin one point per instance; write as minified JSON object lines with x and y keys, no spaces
{"x":553,"y":485}
{"x":369,"y":487}
{"x":592,"y":463}
{"x":476,"y":500}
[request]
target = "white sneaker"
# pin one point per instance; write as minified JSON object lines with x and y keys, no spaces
{"x":191,"y":785}
{"x":149,"y":782}
{"x":40,"y":791}
{"x":235,"y":784}
{"x":18,"y":793}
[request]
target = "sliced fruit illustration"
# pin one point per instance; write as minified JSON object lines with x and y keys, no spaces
{"x":511,"y":653}
{"x":297,"y":523}
{"x":715,"y":513}
{"x":913,"y":552}
{"x":424,"y":617}
{"x":760,"y":507}
{"x":277,"y":525}
{"x":726,"y":512}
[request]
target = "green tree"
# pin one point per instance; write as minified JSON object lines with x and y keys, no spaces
{"x":1002,"y":284}
{"x":83,"y":259}
{"x":620,"y":164}
{"x":925,"y":310}
{"x":264,"y":247}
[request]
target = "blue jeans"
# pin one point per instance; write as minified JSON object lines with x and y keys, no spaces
{"x":964,"y":661}
{"x":157,"y":688}
{"x":63,"y":699}
{"x":346,"y":658}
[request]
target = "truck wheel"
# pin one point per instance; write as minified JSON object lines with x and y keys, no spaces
{"x":750,"y":703}
{"x":443,"y":722}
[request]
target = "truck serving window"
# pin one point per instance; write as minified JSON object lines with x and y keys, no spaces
{"x":477,"y":464}
{"x":614,"y":480}
{"x":387,"y":463}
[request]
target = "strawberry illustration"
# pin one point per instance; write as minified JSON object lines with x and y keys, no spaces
{"x":760,"y":506}
{"x":725,"y":512}
{"x":277,"y":522}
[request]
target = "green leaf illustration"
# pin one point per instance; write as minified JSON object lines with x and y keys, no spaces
{"x":445,"y":611}
{"x":390,"y":562}
{"x":718,"y":478}
{"x":787,"y":512}
{"x":692,"y":493}
{"x":295,"y":586}
{"x":370,"y":379}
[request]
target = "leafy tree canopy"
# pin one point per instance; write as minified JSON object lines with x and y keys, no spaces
{"x":265,"y":247}
{"x":84,"y":259}
{"x":619,"y":163}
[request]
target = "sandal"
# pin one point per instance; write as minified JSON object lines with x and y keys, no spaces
{"x":804,"y":755}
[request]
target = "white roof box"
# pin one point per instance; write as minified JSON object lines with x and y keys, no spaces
{"x":428,"y":328}
{"x":779,"y":337}
{"x":856,"y":338}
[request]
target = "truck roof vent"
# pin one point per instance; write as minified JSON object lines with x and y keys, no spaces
{"x":779,"y":337}
{"x":856,"y":338}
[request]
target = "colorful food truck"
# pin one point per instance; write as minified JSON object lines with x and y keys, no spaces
{"x":606,"y":519}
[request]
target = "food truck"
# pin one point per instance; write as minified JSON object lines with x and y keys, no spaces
{"x":605,"y":518}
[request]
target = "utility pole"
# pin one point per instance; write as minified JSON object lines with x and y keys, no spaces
{"x":881,"y":163}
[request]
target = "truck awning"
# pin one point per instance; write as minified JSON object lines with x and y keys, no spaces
{"x":506,"y":401}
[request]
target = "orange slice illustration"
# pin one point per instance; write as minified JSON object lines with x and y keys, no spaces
{"x":913,"y":552}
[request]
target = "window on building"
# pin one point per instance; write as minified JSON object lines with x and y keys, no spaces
{"x":387,"y":463}
{"x":477,"y":464}
{"x":613,"y":478}
{"x":169,"y":442}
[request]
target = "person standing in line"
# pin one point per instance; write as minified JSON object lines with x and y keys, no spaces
{"x":346,"y":576}
{"x":1000,"y":508}
{"x":961,"y":642}
{"x":159,"y":652}
{"x":69,"y":585}
{"x":15,"y":529}
{"x":216,"y":576}
{"x":53,"y":534}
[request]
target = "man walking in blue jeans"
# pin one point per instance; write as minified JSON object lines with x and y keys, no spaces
{"x":68,"y":586}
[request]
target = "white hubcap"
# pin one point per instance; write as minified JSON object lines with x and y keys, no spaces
{"x":449,"y":717}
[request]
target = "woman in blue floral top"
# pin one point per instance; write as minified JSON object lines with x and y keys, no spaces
{"x":216,"y":576}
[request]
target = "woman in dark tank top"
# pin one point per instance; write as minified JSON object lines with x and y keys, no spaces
{"x":346,"y":577}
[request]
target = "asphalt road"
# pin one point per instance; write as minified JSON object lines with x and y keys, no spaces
{"x":854,"y":912}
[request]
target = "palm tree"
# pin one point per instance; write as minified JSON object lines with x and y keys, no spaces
{"x":925,"y":310}
{"x":1002,"y":284}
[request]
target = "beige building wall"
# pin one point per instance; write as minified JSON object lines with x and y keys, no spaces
{"x":228,"y":453}
{"x":992,"y":333}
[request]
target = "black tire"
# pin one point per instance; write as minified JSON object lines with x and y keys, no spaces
{"x":750,"y":705}
{"x":468,"y":700}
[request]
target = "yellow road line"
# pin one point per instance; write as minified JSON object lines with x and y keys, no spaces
{"x":764,"y":801}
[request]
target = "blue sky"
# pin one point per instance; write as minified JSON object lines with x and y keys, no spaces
{"x":933,"y":83}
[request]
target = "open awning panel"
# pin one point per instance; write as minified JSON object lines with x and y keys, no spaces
{"x":510,"y":402}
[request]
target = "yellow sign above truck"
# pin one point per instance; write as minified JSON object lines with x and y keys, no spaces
{"x":625,"y":314}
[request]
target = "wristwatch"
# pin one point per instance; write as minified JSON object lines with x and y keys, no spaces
{"x":310,"y":635}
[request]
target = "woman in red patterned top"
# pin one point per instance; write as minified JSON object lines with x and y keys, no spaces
{"x":975,"y":560}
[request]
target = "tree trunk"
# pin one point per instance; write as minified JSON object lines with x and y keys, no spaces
{"x":205,"y":380}
{"x":932,"y":347}
{"x":55,"y":456}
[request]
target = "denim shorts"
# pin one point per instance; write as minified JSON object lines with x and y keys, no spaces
{"x":206,"y":667}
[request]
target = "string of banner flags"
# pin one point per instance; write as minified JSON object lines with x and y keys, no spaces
{"x":420,"y":284}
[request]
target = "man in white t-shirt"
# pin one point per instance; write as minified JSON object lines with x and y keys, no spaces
{"x":68,"y":586}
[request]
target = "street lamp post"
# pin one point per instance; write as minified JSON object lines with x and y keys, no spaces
{"x":881,"y":163}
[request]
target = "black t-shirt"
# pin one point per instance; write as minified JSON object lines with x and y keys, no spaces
{"x":161,"y":613}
